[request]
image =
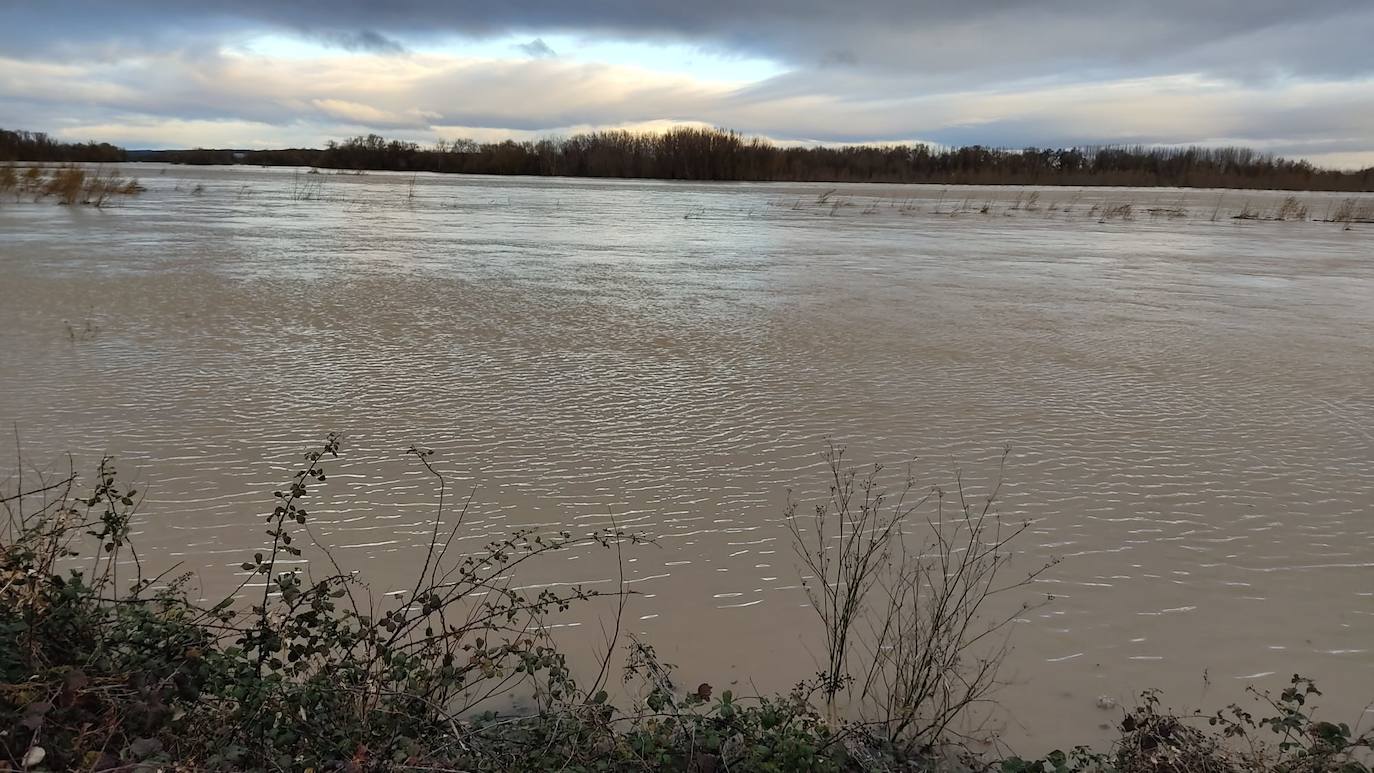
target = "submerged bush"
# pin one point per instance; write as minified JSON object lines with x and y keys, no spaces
{"x":66,"y":183}
{"x":1351,"y":211}
{"x":903,"y":599}
{"x":70,"y":185}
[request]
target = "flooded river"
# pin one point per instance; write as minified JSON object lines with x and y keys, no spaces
{"x":1189,"y":398}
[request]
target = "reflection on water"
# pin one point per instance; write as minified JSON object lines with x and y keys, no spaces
{"x":1187,"y":398}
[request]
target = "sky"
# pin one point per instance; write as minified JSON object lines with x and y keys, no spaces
{"x":1295,"y":79}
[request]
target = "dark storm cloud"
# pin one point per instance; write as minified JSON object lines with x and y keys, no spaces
{"x":1010,"y":37}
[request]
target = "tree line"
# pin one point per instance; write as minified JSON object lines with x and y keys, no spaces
{"x":687,"y":153}
{"x":38,"y":146}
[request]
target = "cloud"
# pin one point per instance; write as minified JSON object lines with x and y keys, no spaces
{"x":982,"y":37}
{"x":161,"y":132}
{"x":1284,"y":77}
{"x":537,"y":48}
{"x":342,"y":110}
{"x":363,"y":40}
{"x":421,"y":92}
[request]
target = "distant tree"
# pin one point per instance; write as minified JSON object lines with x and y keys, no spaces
{"x":692,"y":153}
{"x":38,"y":146}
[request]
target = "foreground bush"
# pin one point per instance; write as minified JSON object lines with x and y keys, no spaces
{"x":295,"y":671}
{"x":1287,"y":738}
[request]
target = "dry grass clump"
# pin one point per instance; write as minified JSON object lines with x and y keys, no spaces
{"x":27,"y":182}
{"x":1026,"y":204}
{"x":307,"y":188}
{"x":1109,"y":212}
{"x":32,"y":179}
{"x":1291,"y":209}
{"x":1351,"y":211}
{"x":68,"y":185}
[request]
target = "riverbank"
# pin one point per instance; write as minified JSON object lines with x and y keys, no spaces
{"x":304,"y":668}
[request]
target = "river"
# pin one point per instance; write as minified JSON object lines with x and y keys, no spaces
{"x":1188,"y":398}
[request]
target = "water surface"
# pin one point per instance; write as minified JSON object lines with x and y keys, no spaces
{"x":1187,"y":396}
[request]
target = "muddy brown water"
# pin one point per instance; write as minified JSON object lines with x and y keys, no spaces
{"x":1189,"y":398}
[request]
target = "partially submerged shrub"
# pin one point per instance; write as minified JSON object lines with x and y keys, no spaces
{"x":101,"y":189}
{"x":906,"y":602}
{"x":73,"y":185}
{"x":304,"y":187}
{"x":31,"y":181}
{"x":1291,"y":209}
{"x":1351,"y":211}
{"x":67,"y":184}
{"x":1117,"y":212}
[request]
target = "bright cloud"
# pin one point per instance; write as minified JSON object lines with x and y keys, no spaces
{"x":1265,"y":73}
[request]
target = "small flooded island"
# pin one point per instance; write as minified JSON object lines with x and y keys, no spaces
{"x":440,"y":388}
